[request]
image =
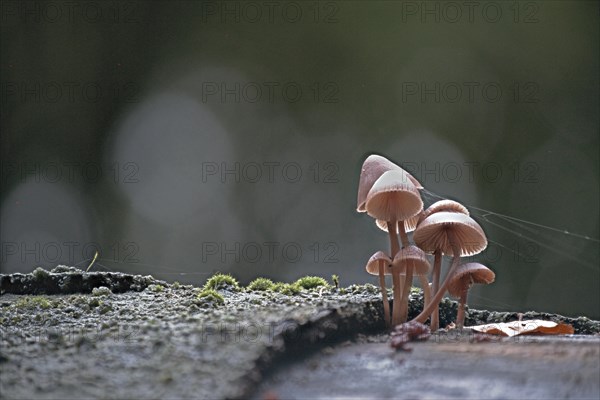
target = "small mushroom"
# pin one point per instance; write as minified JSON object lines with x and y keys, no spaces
{"x":443,"y":205}
{"x":378,"y":265}
{"x":438,"y":206}
{"x":394,"y":198}
{"x":462,"y":280}
{"x":454,"y":234}
{"x":410,"y":261}
{"x":373,"y":167}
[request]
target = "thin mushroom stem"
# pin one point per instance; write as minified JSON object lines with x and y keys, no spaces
{"x":401,"y":280}
{"x":407,"y":279}
{"x":404,"y":241}
{"x":386,"y":303}
{"x":426,"y":290}
{"x":406,"y":293}
{"x":422,"y":317}
{"x":397,"y":297}
{"x":395,"y":274}
{"x":437,"y":268}
{"x":403,"y":235}
{"x":460,"y":315}
{"x":394,"y":245}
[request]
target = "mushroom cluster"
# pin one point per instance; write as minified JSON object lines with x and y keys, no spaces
{"x":391,"y":196}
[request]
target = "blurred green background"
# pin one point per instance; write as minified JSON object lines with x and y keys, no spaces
{"x":180,"y":138}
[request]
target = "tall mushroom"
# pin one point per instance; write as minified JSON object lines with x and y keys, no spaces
{"x":378,"y":265}
{"x":410,"y":261}
{"x":373,"y":167}
{"x":464,"y":277}
{"x":394,"y":198}
{"x":454,"y":234}
{"x":428,"y":245}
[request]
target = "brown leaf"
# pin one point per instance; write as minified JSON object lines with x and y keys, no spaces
{"x":408,"y":332}
{"x":529,"y":327}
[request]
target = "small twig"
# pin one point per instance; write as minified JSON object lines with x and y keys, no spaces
{"x":93,"y":261}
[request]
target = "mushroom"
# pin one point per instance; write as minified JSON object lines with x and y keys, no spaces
{"x":394,"y":198}
{"x":443,"y":205}
{"x":373,"y":167}
{"x":423,"y":242}
{"x":454,"y":234}
{"x":409,"y":224}
{"x":464,"y":277}
{"x":378,"y":265}
{"x":410,"y":261}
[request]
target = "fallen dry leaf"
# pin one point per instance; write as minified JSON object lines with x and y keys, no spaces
{"x":529,"y":327}
{"x":408,"y":332}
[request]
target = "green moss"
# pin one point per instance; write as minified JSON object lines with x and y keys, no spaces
{"x":211,"y":296}
{"x":286,"y":288}
{"x":369,"y":288}
{"x":40,"y":274}
{"x":104,"y":308}
{"x":34,"y":302}
{"x":222,"y":281}
{"x":166,"y":378}
{"x":156,"y":288}
{"x":336,"y":281}
{"x":94,"y":302}
{"x":101,"y":291}
{"x":311,"y":282}
{"x":261,"y":284}
{"x":176,"y":285}
{"x":77,"y":300}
